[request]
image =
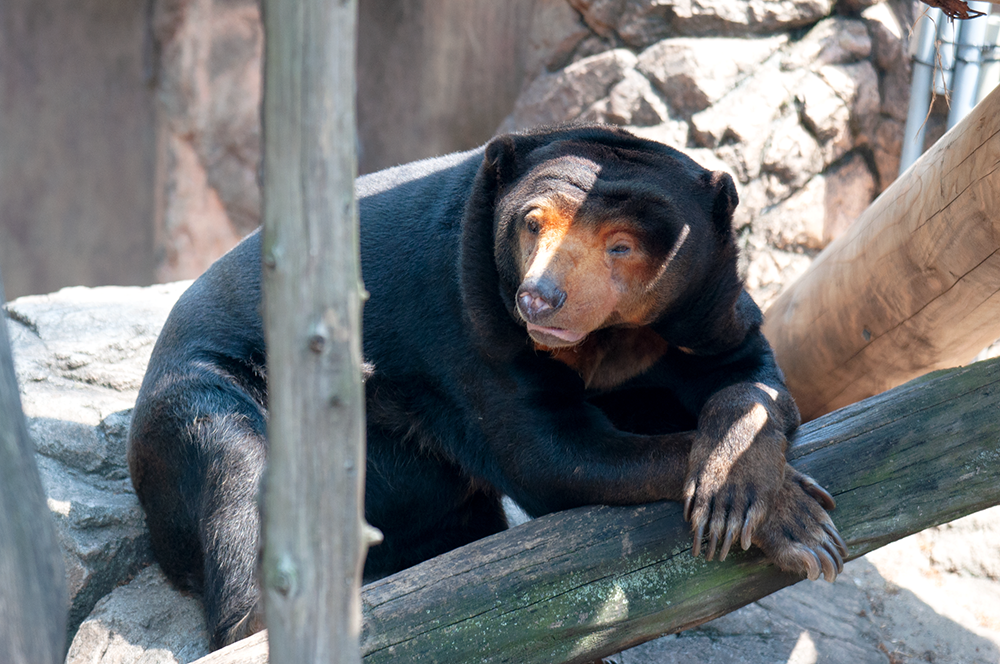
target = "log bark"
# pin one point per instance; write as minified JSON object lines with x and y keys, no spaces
{"x":586,"y":583}
{"x":313,"y":536}
{"x":913,"y":286}
{"x":33,"y":597}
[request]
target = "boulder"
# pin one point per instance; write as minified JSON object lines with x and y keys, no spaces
{"x":145,"y":621}
{"x":80,"y":355}
{"x":740,"y":125}
{"x":833,"y":41}
{"x":850,"y":189}
{"x":632,"y":101}
{"x":640,"y":23}
{"x":826,"y":115}
{"x":695,"y":73}
{"x":568,"y":93}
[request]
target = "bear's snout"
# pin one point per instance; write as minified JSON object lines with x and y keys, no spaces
{"x":538,"y":298}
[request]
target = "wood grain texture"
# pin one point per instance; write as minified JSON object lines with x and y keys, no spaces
{"x":33,"y":595}
{"x":313,"y":502}
{"x":913,"y":286}
{"x":585,"y":583}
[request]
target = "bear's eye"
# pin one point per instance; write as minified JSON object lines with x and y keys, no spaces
{"x":620,"y":249}
{"x":532,"y":225}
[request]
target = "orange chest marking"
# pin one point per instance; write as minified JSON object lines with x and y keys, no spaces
{"x":607,"y":360}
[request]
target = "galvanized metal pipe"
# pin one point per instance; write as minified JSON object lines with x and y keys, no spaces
{"x":920,"y":89}
{"x":968,"y":56}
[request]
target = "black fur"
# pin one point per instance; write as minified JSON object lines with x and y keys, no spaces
{"x":461,"y":406}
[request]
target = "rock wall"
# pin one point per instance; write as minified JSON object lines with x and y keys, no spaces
{"x":803,"y":103}
{"x":434,"y":76}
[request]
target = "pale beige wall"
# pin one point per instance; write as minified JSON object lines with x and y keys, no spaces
{"x":129,"y":130}
{"x":76,"y":145}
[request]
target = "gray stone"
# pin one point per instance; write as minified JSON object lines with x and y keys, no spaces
{"x":857,"y":85}
{"x":886,"y":148}
{"x":208,"y":87}
{"x":791,"y":154}
{"x":556,"y":31}
{"x":673,"y":133}
{"x":640,"y":23}
{"x":567,"y":94}
{"x":644,"y":22}
{"x":724,"y":17}
{"x":850,"y":189}
{"x":146,"y":621}
{"x":833,"y":41}
{"x":80,"y":356}
{"x":797,"y":222}
{"x":695,"y":73}
{"x":632,"y":101}
{"x":825,"y":115}
{"x":739,"y":125}
{"x":600,"y":15}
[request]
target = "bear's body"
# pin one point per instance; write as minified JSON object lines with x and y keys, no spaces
{"x":556,"y":317}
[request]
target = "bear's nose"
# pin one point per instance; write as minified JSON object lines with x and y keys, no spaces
{"x":539,"y":297}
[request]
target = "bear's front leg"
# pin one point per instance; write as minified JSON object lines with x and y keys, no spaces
{"x":737,"y":464}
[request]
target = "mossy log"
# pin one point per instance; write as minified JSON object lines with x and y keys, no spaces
{"x":589,"y":582}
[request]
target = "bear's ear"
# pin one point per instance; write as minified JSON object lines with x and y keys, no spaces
{"x":725,"y":200}
{"x":501,"y":158}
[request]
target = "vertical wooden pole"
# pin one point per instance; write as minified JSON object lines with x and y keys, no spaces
{"x":33,"y":599}
{"x":313,"y":546}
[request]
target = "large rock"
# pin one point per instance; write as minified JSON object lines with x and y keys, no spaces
{"x":567,"y":94}
{"x":632,"y":101}
{"x":694,"y":73}
{"x":640,"y":23}
{"x":80,"y":356}
{"x":146,"y":621}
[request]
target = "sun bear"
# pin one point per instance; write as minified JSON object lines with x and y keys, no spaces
{"x":556,"y":317}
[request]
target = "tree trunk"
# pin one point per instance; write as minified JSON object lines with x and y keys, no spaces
{"x":313,"y":547}
{"x":589,"y":582}
{"x":913,"y":286}
{"x":33,"y":599}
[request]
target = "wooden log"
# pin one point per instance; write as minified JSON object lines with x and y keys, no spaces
{"x":914,"y":284}
{"x":314,"y":546}
{"x":33,"y":597}
{"x":589,"y":582}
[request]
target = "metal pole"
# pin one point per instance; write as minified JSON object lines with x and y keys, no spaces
{"x":920,"y":89}
{"x":989,"y":71}
{"x":968,"y":56}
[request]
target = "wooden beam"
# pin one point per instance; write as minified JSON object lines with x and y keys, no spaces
{"x":33,"y":597}
{"x":914,"y":284}
{"x":586,"y":583}
{"x":314,"y":546}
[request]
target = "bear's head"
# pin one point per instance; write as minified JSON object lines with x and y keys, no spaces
{"x":590,"y":228}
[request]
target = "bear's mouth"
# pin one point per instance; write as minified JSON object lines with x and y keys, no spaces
{"x":554,"y":337}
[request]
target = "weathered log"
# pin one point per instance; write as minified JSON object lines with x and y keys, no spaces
{"x":585,"y":583}
{"x":913,"y":286}
{"x":314,"y":545}
{"x":33,"y":598}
